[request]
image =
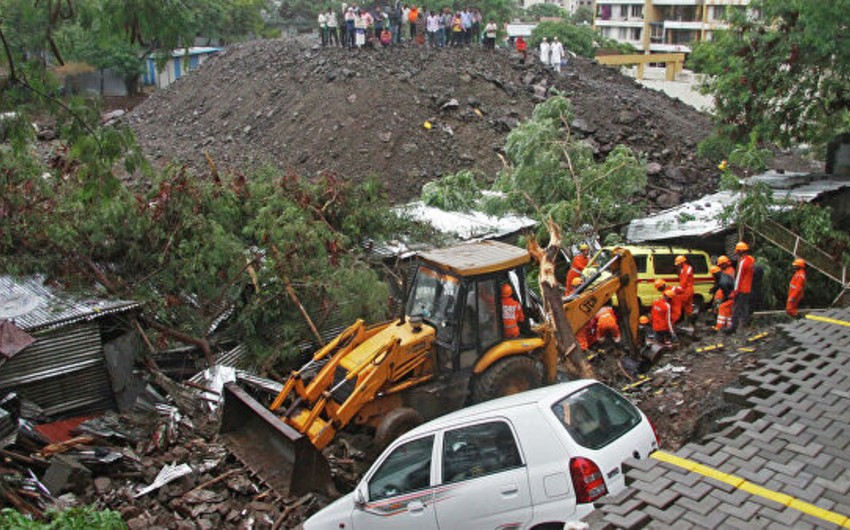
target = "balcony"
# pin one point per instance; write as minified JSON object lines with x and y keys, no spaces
{"x":683,"y":24}
{"x":676,"y":2}
{"x":619,"y":2}
{"x":620,"y":22}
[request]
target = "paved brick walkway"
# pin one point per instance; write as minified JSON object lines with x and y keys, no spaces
{"x":792,"y":437}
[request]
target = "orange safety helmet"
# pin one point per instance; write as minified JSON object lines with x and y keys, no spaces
{"x":643,"y":320}
{"x":660,"y":284}
{"x":723,"y":260}
{"x":741,"y":247}
{"x":680,"y":259}
{"x":577,"y":281}
{"x":799,"y":262}
{"x":714,"y":270}
{"x":506,"y":290}
{"x":677,"y":290}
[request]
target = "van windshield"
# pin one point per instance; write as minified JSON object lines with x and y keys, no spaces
{"x":595,"y":416}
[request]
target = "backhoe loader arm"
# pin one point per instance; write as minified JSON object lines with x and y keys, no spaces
{"x":585,"y":301}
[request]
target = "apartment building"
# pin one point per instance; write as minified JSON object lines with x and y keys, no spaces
{"x":662,"y":26}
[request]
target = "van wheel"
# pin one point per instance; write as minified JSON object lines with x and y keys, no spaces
{"x":509,"y":376}
{"x":394,"y":424}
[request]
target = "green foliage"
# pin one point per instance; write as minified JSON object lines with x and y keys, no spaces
{"x":581,"y":40}
{"x":86,"y":518}
{"x":750,"y":157}
{"x":715,"y":148}
{"x":583,"y":16}
{"x":553,"y":174}
{"x":784,"y":75}
{"x":538,"y":11}
{"x":457,"y":192}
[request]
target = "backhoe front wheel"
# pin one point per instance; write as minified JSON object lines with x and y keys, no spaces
{"x":509,"y":376}
{"x":394,"y":424}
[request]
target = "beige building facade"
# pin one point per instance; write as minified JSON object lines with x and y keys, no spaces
{"x":662,"y":26}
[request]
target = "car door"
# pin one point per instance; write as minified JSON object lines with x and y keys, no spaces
{"x":399,"y":492}
{"x":484,"y":482}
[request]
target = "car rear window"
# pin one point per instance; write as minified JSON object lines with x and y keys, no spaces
{"x":595,"y":416}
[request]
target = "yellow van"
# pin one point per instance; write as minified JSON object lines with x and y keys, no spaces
{"x":658,"y":262}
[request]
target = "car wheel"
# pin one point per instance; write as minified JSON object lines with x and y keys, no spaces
{"x":395,"y":423}
{"x":509,"y":376}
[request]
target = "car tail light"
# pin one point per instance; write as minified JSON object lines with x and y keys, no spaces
{"x":587,"y":480}
{"x":655,"y":432}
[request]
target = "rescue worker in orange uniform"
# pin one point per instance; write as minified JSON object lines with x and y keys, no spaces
{"x":796,"y":288}
{"x":578,"y":264}
{"x":676,"y":303}
{"x":686,"y":282}
{"x":726,"y":266}
{"x":606,"y":324}
{"x":742,"y":293}
{"x":724,"y":284}
{"x":662,"y":324}
{"x":512,"y":313}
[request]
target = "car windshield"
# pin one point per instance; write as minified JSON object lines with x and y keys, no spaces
{"x":433,"y":296}
{"x":595,"y":416}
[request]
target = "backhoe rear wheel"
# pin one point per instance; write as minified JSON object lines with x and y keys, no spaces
{"x":394,"y":424}
{"x":508,"y":376}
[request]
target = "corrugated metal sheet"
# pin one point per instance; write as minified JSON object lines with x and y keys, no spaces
{"x":32,"y":306}
{"x":700,"y":217}
{"x":63,"y":371}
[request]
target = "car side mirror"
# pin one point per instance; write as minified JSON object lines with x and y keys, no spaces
{"x":360,"y":496}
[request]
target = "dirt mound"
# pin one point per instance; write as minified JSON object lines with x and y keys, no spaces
{"x":362,"y":113}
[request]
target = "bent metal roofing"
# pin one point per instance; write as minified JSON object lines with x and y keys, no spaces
{"x":34,"y":306}
{"x":702,"y":217}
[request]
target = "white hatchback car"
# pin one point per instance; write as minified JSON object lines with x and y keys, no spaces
{"x":533,"y":460}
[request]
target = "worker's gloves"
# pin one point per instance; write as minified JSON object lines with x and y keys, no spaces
{"x":733,"y":295}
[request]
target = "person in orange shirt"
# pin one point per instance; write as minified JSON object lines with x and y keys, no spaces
{"x":606,"y":324}
{"x":512,"y":313}
{"x":676,"y":304}
{"x":578,"y":264}
{"x":723,"y":286}
{"x":796,"y":288}
{"x":743,"y":292}
{"x":662,"y":324}
{"x":686,"y":282}
{"x":522,"y":48}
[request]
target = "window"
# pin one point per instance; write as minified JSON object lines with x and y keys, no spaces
{"x":640,"y":262}
{"x":406,"y":469}
{"x":665,"y":264}
{"x":595,"y":416}
{"x":433,"y":297}
{"x":698,"y":262}
{"x":637,"y":11}
{"x":488,"y":314}
{"x":479,"y":450}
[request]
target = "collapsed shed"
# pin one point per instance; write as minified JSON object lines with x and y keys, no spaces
{"x":52,"y":347}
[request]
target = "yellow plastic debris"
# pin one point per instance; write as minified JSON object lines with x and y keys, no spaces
{"x":427,"y":125}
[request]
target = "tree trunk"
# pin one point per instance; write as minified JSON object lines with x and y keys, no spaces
{"x":571,"y":356}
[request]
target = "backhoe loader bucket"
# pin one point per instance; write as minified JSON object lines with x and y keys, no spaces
{"x":279,"y":454}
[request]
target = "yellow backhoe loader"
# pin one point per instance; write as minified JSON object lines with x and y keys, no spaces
{"x":447,"y":350}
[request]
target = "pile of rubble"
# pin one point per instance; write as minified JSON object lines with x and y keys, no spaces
{"x":293,"y":105}
{"x":154,"y":466}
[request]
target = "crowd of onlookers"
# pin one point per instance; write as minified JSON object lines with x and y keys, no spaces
{"x":356,"y":27}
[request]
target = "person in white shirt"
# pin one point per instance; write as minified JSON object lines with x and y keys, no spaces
{"x":323,"y":28}
{"x":333,"y":27}
{"x":544,"y":51}
{"x":557,"y":53}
